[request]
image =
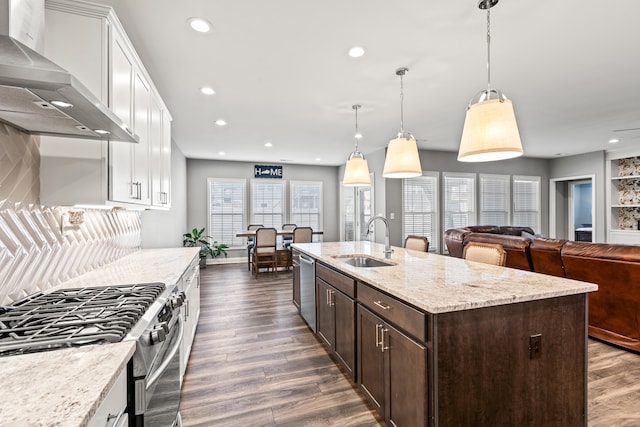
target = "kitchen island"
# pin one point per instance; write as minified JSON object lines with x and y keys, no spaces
{"x":439,"y":341}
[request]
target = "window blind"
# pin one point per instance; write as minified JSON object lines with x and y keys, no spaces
{"x":459,"y":199}
{"x":267,"y":203}
{"x":226,"y":210}
{"x":495,"y":199}
{"x":420,"y":207}
{"x":306,"y":204}
{"x":526,"y":201}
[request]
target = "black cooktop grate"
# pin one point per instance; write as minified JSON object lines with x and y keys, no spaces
{"x":74,"y":317}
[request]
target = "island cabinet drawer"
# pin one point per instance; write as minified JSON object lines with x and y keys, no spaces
{"x":336,"y":279}
{"x":400,"y":314}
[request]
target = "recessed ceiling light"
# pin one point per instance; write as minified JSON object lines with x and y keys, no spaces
{"x":207,"y":90}
{"x":62,"y":104}
{"x":268,"y":145}
{"x":614,"y":140}
{"x":356,"y":52}
{"x":221,"y":122}
{"x":358,"y":135}
{"x":317,"y":159}
{"x":221,"y":153}
{"x":200,"y":25}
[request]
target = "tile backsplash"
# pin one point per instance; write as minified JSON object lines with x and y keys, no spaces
{"x":19,"y":166}
{"x":36,"y":252}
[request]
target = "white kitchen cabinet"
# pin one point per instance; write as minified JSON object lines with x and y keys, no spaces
{"x":160,"y":141}
{"x":112,"y":410}
{"x":89,"y":41}
{"x":190,"y":285}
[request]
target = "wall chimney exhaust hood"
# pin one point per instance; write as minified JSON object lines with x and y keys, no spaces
{"x":39,"y":97}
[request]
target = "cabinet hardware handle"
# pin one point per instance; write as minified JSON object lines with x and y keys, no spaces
{"x":378,"y":327}
{"x":331,"y":299}
{"x":382,"y":305}
{"x":326,"y":296}
{"x":116,"y":418}
{"x":382,"y":346}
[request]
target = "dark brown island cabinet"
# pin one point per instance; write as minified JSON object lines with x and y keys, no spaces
{"x":520,"y":364}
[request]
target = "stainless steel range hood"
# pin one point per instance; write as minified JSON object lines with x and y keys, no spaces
{"x":39,"y":97}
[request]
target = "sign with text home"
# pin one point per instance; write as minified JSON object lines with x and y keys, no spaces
{"x":265,"y":171}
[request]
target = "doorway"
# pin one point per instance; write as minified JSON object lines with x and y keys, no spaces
{"x":357,"y":209}
{"x":571,"y":208}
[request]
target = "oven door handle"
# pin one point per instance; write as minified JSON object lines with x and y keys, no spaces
{"x":165,"y":363}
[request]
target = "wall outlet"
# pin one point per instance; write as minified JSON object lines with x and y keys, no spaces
{"x":535,"y":346}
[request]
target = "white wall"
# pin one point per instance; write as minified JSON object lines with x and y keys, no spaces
{"x":164,"y":229}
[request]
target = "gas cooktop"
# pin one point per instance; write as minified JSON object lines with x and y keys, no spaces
{"x":74,"y":317}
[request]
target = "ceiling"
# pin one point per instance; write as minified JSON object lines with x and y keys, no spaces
{"x":281,"y":73}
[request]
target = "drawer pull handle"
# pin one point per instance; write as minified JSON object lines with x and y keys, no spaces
{"x":382,"y":305}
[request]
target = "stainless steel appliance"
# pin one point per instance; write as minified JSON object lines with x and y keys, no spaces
{"x":145,"y":313}
{"x":308,"y":290}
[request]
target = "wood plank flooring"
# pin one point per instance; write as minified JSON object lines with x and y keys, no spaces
{"x":255,"y":363}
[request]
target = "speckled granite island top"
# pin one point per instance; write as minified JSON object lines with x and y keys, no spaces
{"x":61,"y":387}
{"x":440,"y":284}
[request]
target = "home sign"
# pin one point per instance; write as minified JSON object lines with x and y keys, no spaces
{"x":264,"y":171}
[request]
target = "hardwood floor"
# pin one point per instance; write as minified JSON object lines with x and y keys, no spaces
{"x":254,"y":362}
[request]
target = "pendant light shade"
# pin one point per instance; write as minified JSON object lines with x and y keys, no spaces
{"x":490,"y":132}
{"x":356,"y":171}
{"x":403,"y":159}
{"x":490,"y":129}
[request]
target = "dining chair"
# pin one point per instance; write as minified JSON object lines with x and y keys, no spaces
{"x":302,"y":235}
{"x":417,"y":243}
{"x":250,"y":243}
{"x":287,"y":239}
{"x":489,"y":253}
{"x":265,"y":251}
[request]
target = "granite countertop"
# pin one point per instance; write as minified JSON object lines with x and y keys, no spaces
{"x":145,"y":266}
{"x":65,"y":387}
{"x":440,"y":284}
{"x":61,"y":387}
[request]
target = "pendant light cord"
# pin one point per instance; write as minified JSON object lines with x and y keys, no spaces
{"x":402,"y":103}
{"x":355,"y":107}
{"x":488,"y":51}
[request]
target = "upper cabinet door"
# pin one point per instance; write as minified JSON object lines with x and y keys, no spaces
{"x":121,"y":80}
{"x":141,"y":164}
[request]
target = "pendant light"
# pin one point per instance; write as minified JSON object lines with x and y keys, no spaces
{"x":403,"y":160}
{"x":490,"y":130}
{"x":356,"y":171}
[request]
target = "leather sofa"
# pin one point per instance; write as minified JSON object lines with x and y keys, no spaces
{"x":614,"y":310}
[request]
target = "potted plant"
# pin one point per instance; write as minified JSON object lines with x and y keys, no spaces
{"x":208,"y":246}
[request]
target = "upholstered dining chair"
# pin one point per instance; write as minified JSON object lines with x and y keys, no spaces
{"x":417,"y":243}
{"x":265,"y":250}
{"x":250,"y":243}
{"x":302,"y":235}
{"x":489,"y":253}
{"x":287,"y":239}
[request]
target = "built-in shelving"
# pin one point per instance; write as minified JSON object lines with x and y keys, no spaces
{"x":624,"y":199}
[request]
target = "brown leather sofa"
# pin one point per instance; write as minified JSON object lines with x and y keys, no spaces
{"x":516,"y":246}
{"x":614,"y":310}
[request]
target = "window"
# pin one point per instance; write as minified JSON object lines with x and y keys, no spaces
{"x":226,"y":210}
{"x":494,"y":199}
{"x":267,"y":199}
{"x":459,"y":199}
{"x":357,"y":208}
{"x":306,"y":204}
{"x":420,"y":207}
{"x":526,"y":201}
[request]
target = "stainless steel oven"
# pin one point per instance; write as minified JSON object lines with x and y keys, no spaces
{"x":156,"y":367}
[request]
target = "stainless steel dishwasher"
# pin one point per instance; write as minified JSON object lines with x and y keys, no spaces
{"x":308,"y":290}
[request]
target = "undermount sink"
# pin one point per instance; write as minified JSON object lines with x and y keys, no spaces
{"x":364,"y":261}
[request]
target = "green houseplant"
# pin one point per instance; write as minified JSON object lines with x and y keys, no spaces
{"x":208,"y":246}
